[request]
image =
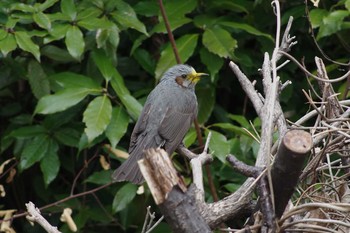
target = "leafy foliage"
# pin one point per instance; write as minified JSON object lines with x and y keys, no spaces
{"x":74,"y":75}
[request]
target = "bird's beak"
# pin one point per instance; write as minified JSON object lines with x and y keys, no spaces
{"x":194,"y":76}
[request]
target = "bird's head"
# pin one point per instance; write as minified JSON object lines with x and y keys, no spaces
{"x":184,"y":75}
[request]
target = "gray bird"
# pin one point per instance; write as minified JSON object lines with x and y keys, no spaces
{"x":166,"y":117}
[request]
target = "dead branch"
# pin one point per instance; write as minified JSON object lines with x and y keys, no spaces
{"x":287,"y":167}
{"x":34,"y":215}
{"x":169,"y":192}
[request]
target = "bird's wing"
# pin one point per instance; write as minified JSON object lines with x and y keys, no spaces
{"x":173,"y":128}
{"x":140,"y":126}
{"x":139,"y":141}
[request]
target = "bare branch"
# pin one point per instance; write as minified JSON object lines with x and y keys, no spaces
{"x":34,"y":215}
{"x":196,"y":164}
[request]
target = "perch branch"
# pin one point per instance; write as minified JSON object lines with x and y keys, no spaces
{"x":169,"y":191}
{"x":196,"y":164}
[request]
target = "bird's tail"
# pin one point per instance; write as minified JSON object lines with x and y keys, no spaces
{"x":129,"y":171}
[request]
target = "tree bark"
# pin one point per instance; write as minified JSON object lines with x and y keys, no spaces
{"x":170,"y":194}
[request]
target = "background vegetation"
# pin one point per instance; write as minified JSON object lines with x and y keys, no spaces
{"x":74,"y":76}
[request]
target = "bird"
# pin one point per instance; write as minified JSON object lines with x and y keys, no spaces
{"x":167,"y":115}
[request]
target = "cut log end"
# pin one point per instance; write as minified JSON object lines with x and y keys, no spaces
{"x":298,"y":141}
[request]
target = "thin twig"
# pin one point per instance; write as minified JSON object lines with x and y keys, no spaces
{"x":146,"y":220}
{"x":170,"y":34}
{"x":315,"y":41}
{"x":63,"y":200}
{"x":152,"y":217}
{"x":86,"y":164}
{"x":314,"y":76}
{"x":155,"y":224}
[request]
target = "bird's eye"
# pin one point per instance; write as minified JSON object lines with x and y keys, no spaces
{"x":184,"y":76}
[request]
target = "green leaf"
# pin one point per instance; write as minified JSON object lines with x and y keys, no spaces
{"x":118,"y":126}
{"x":46,"y":4}
{"x":179,"y":8}
{"x":8,"y":44}
{"x":95,"y":23}
{"x":73,"y":80}
{"x":108,"y":39}
{"x":190,"y":137}
{"x":175,"y":23}
{"x":38,"y":80}
{"x":68,"y":136}
{"x":100,"y":177}
{"x":247,"y":28}
{"x":101,"y":38}
{"x":246,"y":143}
{"x":75,"y":42}
{"x":83,"y":142}
{"x":219,"y":42}
{"x":113,"y":35}
{"x":347,"y":4}
{"x":123,"y":197}
{"x":57,"y":54}
{"x":232,"y":187}
{"x":103,"y":63}
{"x":176,"y":11}
{"x":90,"y":12}
{"x":211,"y":61}
{"x":42,"y":20}
{"x":137,"y":42}
{"x":63,"y":99}
{"x":240,"y":119}
{"x":3,"y":34}
{"x":57,"y":32}
{"x":50,"y":163}
{"x":230,"y":127}
{"x":126,"y":16}
{"x":219,"y":145}
{"x":133,"y":107}
{"x":297,"y":12}
{"x":54,"y":121}
{"x":28,"y":131}
{"x":332,"y":23}
{"x":185,"y":45}
{"x":34,"y":151}
{"x":241,"y":6}
{"x":11,"y":22}
{"x":316,"y":17}
{"x":146,"y":8}
{"x":22,"y":7}
{"x":145,"y":59}
{"x":25,"y":43}
{"x":68,"y":8}
{"x":206,"y":101}
{"x":97,"y":116}
{"x":60,"y":17}
{"x":5,"y":143}
{"x":206,"y":21}
{"x":23,"y":119}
